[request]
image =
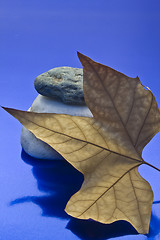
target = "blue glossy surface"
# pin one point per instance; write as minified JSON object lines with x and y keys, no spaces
{"x":36,"y":36}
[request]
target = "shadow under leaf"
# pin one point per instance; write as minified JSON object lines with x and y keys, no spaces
{"x":59,"y":181}
{"x":92,"y":230}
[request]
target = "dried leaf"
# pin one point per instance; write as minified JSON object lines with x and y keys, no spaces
{"x":106,"y":148}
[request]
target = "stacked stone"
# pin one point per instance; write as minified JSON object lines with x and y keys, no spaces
{"x":60,"y":91}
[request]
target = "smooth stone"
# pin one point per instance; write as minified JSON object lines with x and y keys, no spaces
{"x":65,"y":83}
{"x":37,"y":148}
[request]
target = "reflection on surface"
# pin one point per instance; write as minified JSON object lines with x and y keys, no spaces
{"x":59,"y":180}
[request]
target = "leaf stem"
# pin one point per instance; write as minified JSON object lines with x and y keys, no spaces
{"x":151,"y":166}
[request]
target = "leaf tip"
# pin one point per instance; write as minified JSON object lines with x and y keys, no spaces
{"x":5,"y":108}
{"x":84,"y":59}
{"x":80,"y":55}
{"x":10,"y":110}
{"x":138,"y":78}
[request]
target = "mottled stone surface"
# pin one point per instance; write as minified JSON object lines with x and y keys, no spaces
{"x":37,"y":148}
{"x":65,"y":83}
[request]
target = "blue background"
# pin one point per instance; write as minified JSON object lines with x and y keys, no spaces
{"x":36,"y":36}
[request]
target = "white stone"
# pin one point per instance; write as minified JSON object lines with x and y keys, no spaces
{"x":37,"y":148}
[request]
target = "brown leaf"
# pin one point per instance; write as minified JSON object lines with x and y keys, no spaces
{"x":107,"y":148}
{"x":120,"y":102}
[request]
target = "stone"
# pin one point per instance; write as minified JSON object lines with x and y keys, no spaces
{"x":37,"y":148}
{"x":65,"y":83}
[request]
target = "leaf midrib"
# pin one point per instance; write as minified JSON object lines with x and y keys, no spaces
{"x":109,"y":188}
{"x":85,"y":141}
{"x":114,"y":107}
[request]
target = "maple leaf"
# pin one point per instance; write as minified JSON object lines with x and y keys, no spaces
{"x":106,"y":148}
